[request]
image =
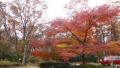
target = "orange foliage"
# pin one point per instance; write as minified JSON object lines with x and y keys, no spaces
{"x":78,"y":32}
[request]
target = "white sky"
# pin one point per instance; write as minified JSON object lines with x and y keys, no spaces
{"x":55,"y":7}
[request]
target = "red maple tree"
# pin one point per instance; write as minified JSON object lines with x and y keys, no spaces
{"x":75,"y":36}
{"x":79,"y":30}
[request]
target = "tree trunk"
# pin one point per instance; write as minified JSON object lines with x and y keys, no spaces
{"x":24,"y":55}
{"x":83,"y":58}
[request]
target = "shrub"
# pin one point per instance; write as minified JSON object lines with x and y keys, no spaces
{"x":55,"y":65}
{"x":88,"y":57}
{"x":67,"y":65}
{"x":91,"y":58}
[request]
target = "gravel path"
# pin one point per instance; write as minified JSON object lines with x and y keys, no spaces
{"x":28,"y":66}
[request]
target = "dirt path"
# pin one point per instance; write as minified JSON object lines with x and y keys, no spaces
{"x":28,"y":66}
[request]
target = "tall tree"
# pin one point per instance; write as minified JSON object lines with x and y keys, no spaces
{"x":81,"y":26}
{"x":27,"y":13}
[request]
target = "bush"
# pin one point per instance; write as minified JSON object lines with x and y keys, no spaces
{"x":55,"y":65}
{"x":91,"y":58}
{"x":11,"y":56}
{"x":67,"y":65}
{"x":88,"y":57}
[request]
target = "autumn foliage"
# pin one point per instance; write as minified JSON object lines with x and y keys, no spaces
{"x":25,"y":31}
{"x":75,"y":36}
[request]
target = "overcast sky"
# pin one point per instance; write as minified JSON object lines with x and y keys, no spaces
{"x":55,"y":7}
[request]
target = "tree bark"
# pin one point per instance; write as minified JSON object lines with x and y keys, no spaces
{"x":83,"y":58}
{"x":24,"y":55}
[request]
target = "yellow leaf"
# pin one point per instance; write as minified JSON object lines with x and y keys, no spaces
{"x":62,"y":45}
